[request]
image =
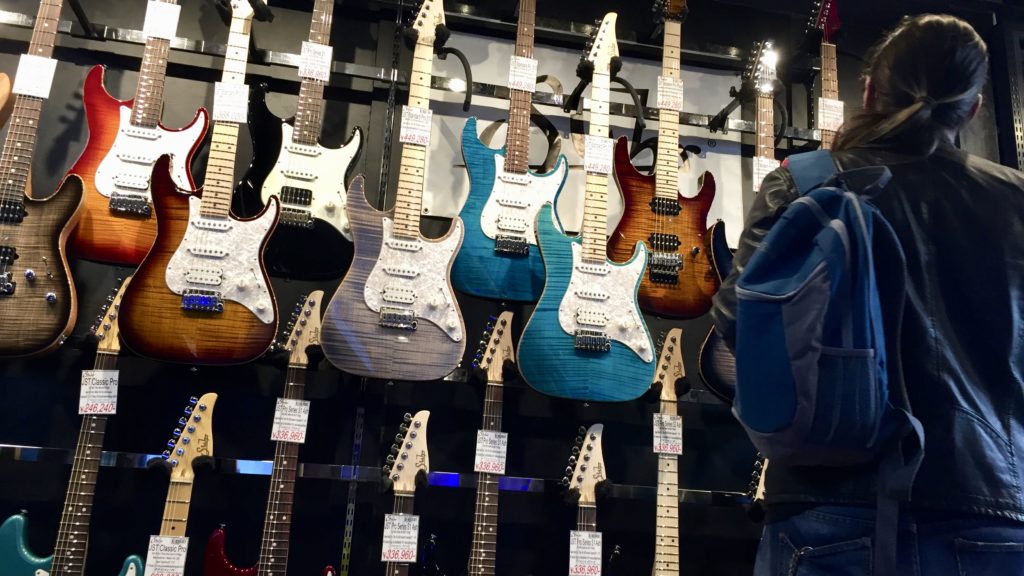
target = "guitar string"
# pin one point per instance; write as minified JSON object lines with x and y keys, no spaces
{"x":492,"y":421}
{"x":284,"y":461}
{"x":517,"y":137}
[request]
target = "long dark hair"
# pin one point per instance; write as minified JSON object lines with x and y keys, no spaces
{"x":927,"y":74}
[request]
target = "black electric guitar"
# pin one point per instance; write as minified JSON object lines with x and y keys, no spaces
{"x":716,"y":363}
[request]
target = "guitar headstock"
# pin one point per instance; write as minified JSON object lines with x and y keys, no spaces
{"x":603,"y":44}
{"x":429,"y":16}
{"x":825,"y":19}
{"x":409,"y":457}
{"x":193,"y":437}
{"x":670,"y":10}
{"x":242,"y":9}
{"x":585,"y":472}
{"x":305,"y":328}
{"x":761,"y":68}
{"x":495,"y":347}
{"x":670,"y":365}
{"x":105,"y":326}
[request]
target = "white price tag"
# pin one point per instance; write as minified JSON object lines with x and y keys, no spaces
{"x":597,"y":155}
{"x":416,"y":124}
{"x":584,"y":553}
{"x":830,"y":114}
{"x":316,"y":61}
{"x":522,"y":74}
{"x":401,"y":538}
{"x":290,"y":420}
{"x":161,"y":20}
{"x":491,"y":447}
{"x":670,"y":93}
{"x":230,"y":102}
{"x":763,"y":167}
{"x":99,"y":392}
{"x":34,"y":76}
{"x":166,"y":556}
{"x":668,"y":434}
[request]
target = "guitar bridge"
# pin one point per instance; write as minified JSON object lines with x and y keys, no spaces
{"x":592,"y":341}
{"x":11,"y":212}
{"x":193,"y":300}
{"x":397,"y":318}
{"x":7,"y":285}
{"x":514,"y":245}
{"x":130,"y":205}
{"x":664,"y":267}
{"x":296,"y":217}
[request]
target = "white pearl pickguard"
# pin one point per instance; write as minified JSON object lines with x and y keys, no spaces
{"x":413,"y":275}
{"x":321,"y":170}
{"x":128,"y":166}
{"x":232,"y":249}
{"x":515,"y":200}
{"x":603,"y":297}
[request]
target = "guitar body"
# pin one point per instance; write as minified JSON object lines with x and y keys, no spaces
{"x":119,"y":158}
{"x":17,"y":560}
{"x":403,"y":275}
{"x":716,"y":363}
{"x":320,"y":248}
{"x":33,"y":324}
{"x":193,"y":252}
{"x":697,"y":283}
{"x":215,"y":561}
{"x":480,"y":270}
{"x":580,"y":295}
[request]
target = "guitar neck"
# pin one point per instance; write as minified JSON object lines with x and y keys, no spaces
{"x":409,"y":200}
{"x":485,"y":518}
{"x":148,"y":106}
{"x":20,"y":143}
{"x":586,"y":518}
{"x":176,"y":507}
{"x":309,"y":111}
{"x":595,"y":205}
{"x":517,"y":143}
{"x":73,"y":534}
{"x":829,"y":86}
{"x":667,"y":167}
{"x":766,"y":126}
{"x":666,"y":549}
{"x":403,"y":505}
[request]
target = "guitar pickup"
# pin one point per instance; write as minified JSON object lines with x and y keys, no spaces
{"x":193,"y":300}
{"x":591,"y":318}
{"x":131,"y":182}
{"x":7,"y":285}
{"x":592,"y":341}
{"x":397,"y":318}
{"x":144,"y":133}
{"x":141,"y":159}
{"x":130,"y":204}
{"x":302,"y":150}
{"x":205,"y":276}
{"x":515,"y":245}
{"x":665,"y":206}
{"x":512,"y":224}
{"x":12,"y":212}
{"x":663,"y":242}
{"x":207,"y":251}
{"x":8,"y":254}
{"x":293,"y":195}
{"x":398,"y":295}
{"x":296,"y":217}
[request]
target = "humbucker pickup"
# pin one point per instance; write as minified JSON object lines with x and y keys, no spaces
{"x":663,"y":242}
{"x":665,"y":206}
{"x":664,"y":267}
{"x":516,"y":245}
{"x":194,"y":300}
{"x":12,"y":212}
{"x":293,"y":195}
{"x":512,"y":224}
{"x":398,"y":295}
{"x":397,"y":318}
{"x":592,"y":341}
{"x":8,"y":254}
{"x":131,"y":182}
{"x":205,"y":276}
{"x":130,"y":204}
{"x":296,"y":217}
{"x":591,"y":318}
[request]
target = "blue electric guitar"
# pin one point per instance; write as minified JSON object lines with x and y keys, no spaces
{"x":499,"y":257}
{"x":587,"y":339}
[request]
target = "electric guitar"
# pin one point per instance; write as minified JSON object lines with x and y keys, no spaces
{"x":666,"y":540}
{"x":761,"y":72}
{"x":273,"y":559}
{"x":825,"y":22}
{"x":394,"y":316}
{"x":72,"y":545}
{"x":587,"y":339}
{"x":202,"y":294}
{"x":38,"y":304}
{"x":679,"y":280}
{"x":586,"y":476}
{"x":499,"y":257}
{"x":407,"y":466}
{"x":716,"y":363}
{"x":496,"y":349}
{"x":309,"y":179}
{"x":126,"y":138}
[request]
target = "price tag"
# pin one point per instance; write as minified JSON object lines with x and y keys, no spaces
{"x":491,"y":447}
{"x":34,"y":76}
{"x":670,"y":93}
{"x":584,"y":553}
{"x":668,"y":434}
{"x":522,"y":74}
{"x":161,"y":20}
{"x":597,"y":155}
{"x":290,"y":420}
{"x":416,"y":124}
{"x":230,"y":102}
{"x":763,"y":167}
{"x":401,"y":538}
{"x":316,"y":61}
{"x":166,"y":556}
{"x":99,"y":392}
{"x":830,"y":114}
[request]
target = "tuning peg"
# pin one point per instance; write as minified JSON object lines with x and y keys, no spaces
{"x":386,"y":470}
{"x":171,"y":443}
{"x":177,"y":432}
{"x":564,"y":481}
{"x":572,"y":460}
{"x":166,"y":454}
{"x":568,"y":470}
{"x":394,"y":449}
{"x":403,"y":428}
{"x":390,"y":459}
{"x":193,"y":401}
{"x":575,"y":450}
{"x":188,"y":411}
{"x":399,"y":438}
{"x":407,"y":418}
{"x":182,"y":421}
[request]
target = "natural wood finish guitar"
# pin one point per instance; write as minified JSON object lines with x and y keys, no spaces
{"x":191,"y":442}
{"x":588,"y":475}
{"x":666,"y":540}
{"x":407,"y":466}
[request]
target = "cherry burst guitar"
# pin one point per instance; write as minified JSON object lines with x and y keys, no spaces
{"x":309,"y":179}
{"x":72,"y":546}
{"x":125,"y":140}
{"x":394,"y":316}
{"x":202,"y":294}
{"x":587,"y":339}
{"x":499,"y":257}
{"x":37,"y":296}
{"x":679,"y":280}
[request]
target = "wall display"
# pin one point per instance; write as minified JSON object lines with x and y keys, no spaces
{"x":407,"y":466}
{"x":125,"y":140}
{"x":289,"y":163}
{"x":587,"y":339}
{"x":202,"y":294}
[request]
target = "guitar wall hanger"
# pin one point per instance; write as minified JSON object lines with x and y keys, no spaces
{"x":442,"y":50}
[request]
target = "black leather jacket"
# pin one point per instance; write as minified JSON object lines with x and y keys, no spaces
{"x":961,"y":222}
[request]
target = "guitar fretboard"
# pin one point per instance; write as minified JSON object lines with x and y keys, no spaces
{"x":829,"y":86}
{"x":766,"y":125}
{"x":403,"y":505}
{"x":517,"y":143}
{"x":586,"y":518}
{"x":666,"y":550}
{"x":309,"y":110}
{"x":485,"y":516}
{"x":148,"y":106}
{"x":409,"y":200}
{"x":595,"y":205}
{"x":667,"y":167}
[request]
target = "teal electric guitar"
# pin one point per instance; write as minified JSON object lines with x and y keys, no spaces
{"x":73,"y":535}
{"x":587,"y":339}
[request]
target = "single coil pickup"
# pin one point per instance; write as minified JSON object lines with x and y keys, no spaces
{"x":592,"y":269}
{"x":592,"y":341}
{"x":213,"y":224}
{"x":141,"y":159}
{"x":202,"y":301}
{"x":12,"y":212}
{"x":131,"y":182}
{"x":513,"y":245}
{"x":513,"y":178}
{"x":301,"y":150}
{"x":397,"y":318}
{"x":296,"y":217}
{"x":144,"y":133}
{"x":205,"y":276}
{"x":293,"y":195}
{"x":665,"y":206}
{"x":663,"y":242}
{"x":592,"y":295}
{"x":512,"y":202}
{"x":130,"y":204}
{"x":7,"y":285}
{"x":591,"y":318}
{"x":403,"y":245}
{"x":206,"y":251}
{"x":398,"y":295}
{"x":401,"y":272}
{"x":8,"y":254}
{"x":303,"y":175}
{"x":512,"y":224}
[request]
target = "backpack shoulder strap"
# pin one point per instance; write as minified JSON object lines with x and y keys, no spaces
{"x":811,"y":169}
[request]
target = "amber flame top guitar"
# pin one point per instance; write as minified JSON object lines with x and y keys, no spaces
{"x":407,"y":466}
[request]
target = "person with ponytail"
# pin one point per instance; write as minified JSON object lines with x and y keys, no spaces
{"x":960,"y":221}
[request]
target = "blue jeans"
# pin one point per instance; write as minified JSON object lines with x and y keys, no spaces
{"x":837,"y":541}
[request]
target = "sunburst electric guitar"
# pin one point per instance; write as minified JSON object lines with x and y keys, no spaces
{"x":587,"y":339}
{"x":202,"y":294}
{"x":125,"y":140}
{"x":394,"y":315}
{"x":407,"y":466}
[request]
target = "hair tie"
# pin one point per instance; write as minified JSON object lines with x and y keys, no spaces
{"x":928,"y":101}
